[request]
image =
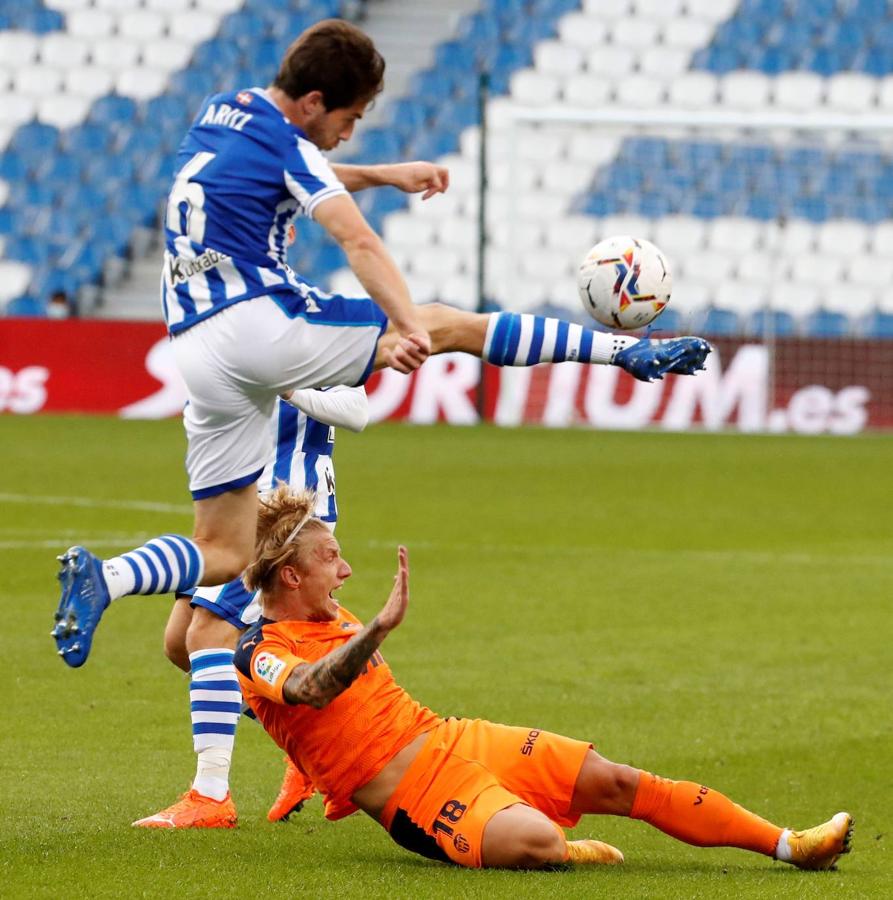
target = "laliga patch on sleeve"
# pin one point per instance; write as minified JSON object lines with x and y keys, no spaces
{"x":268,"y":667}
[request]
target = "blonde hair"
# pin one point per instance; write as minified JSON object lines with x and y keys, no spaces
{"x":284,"y":523}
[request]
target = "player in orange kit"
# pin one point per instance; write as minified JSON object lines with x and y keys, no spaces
{"x":460,"y":790}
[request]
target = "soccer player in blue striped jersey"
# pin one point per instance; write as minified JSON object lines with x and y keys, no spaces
{"x":245,"y":328}
{"x":204,"y":626}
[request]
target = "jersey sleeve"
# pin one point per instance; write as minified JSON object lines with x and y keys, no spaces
{"x":266,"y":663}
{"x":309,"y":177}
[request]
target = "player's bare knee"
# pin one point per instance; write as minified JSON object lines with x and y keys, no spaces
{"x":208,"y":631}
{"x":540,"y":844}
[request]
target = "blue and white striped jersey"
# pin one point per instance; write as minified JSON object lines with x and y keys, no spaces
{"x":243,"y":172}
{"x":304,"y":449}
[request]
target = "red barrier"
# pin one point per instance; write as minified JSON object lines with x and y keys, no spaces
{"x":801,"y":385}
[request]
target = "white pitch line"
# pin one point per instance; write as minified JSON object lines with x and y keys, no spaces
{"x":62,"y":542}
{"x":90,"y":503}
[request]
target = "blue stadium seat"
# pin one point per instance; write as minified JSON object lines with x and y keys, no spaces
{"x":774,"y":321}
{"x":33,"y":139}
{"x":480,"y":30}
{"x":8,"y":222}
{"x":824,"y":323}
{"x":878,"y":325}
{"x":12,"y":166}
{"x":26,"y":306}
{"x":720,"y":322}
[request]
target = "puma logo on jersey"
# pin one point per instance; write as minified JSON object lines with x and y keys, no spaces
{"x":226,"y":115}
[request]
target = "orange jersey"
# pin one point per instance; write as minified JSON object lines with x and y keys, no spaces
{"x":347,"y":743}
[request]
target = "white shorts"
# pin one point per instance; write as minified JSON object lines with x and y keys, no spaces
{"x":237,"y":362}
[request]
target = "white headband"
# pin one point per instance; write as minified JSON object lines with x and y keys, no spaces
{"x":298,"y":527}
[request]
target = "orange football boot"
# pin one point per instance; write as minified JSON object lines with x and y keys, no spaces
{"x":295,"y":791}
{"x":194,"y":810}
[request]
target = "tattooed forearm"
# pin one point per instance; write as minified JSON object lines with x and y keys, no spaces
{"x":317,"y":684}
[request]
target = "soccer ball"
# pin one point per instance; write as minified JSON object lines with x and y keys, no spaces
{"x":624,"y":282}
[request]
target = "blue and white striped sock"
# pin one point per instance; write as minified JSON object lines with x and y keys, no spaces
{"x":164,"y":564}
{"x":521,"y":339}
{"x":216,"y":702}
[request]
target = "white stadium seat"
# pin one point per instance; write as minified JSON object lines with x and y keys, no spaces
{"x":63,"y":111}
{"x":167,"y":54}
{"x":18,"y":48}
{"x":744,"y":90}
{"x":798,"y":91}
{"x":796,"y":299}
{"x":710,"y":268}
{"x":546,"y":264}
{"x":711,"y":10}
{"x":164,"y":6}
{"x":533,"y":88}
{"x":587,"y":90}
{"x":6,"y":133}
{"x":579,"y":30}
{"x":460,"y":291}
{"x":574,"y":233}
{"x":851,"y":92}
{"x":640,"y":92}
{"x":680,"y":236}
{"x":741,"y":297}
{"x":885,"y":94}
{"x":439,"y":207}
{"x":593,"y":146}
{"x":513,"y":174}
{"x":515,"y":236}
{"x":615,"y":62}
{"x":734,"y":234}
{"x":793,"y":238}
{"x":90,"y":23}
{"x":401,"y":229}
{"x":634,"y":33}
{"x":607,"y":9}
{"x":690,"y":296}
{"x":14,"y":279}
{"x":760,"y":267}
{"x":219,"y":7}
{"x":569,"y":178}
{"x":64,"y":50}
{"x":115,"y":6}
{"x":116,"y":53}
{"x":540,"y":145}
{"x":439,"y":261}
{"x":843,"y":237}
{"x":4,"y":196}
{"x":66,"y":6}
{"x":687,"y":33}
{"x":848,"y":299}
{"x":693,"y":90}
{"x":141,"y":83}
{"x":659,"y":9}
{"x":464,"y":175}
{"x":16,"y":109}
{"x":882,"y":239}
{"x":557,"y":58}
{"x":141,"y":25}
{"x":193,"y":26}
{"x":89,"y":81}
{"x":815,"y":269}
{"x":36,"y":80}
{"x":870,"y":270}
{"x":664,"y":62}
{"x":458,"y":233}
{"x":5,"y":78}
{"x":635,"y":226}
{"x":422,"y":290}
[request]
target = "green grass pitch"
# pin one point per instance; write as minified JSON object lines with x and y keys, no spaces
{"x":711,"y":607}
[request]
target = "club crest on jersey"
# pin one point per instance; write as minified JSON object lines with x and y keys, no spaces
{"x":268,"y":667}
{"x":244,"y":97}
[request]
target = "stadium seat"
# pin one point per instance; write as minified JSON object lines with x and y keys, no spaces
{"x":719,"y":322}
{"x":851,"y":92}
{"x":825,"y":324}
{"x":668,"y":63}
{"x":582,"y":31}
{"x":640,"y":92}
{"x":612,"y":61}
{"x":18,"y":48}
{"x":557,"y":58}
{"x":587,"y":91}
{"x":853,"y":301}
{"x":90,"y":23}
{"x":166,"y":54}
{"x":534,"y":88}
{"x":25,"y":306}
{"x":776,"y":322}
{"x":141,"y":83}
{"x":687,"y":33}
{"x":633,"y":32}
{"x":15,"y":276}
{"x":744,"y":90}
{"x":62,"y":111}
{"x":693,"y":90}
{"x":607,"y":9}
{"x":798,"y":91}
{"x":878,"y":324}
{"x":843,"y":238}
{"x":89,"y":81}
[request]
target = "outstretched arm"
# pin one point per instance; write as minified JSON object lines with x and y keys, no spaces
{"x":341,"y":406}
{"x":411,"y":177}
{"x":317,"y":684}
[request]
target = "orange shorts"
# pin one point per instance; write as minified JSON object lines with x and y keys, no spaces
{"x":466,"y":772}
